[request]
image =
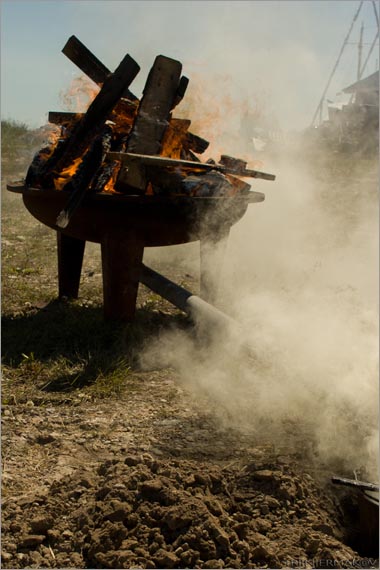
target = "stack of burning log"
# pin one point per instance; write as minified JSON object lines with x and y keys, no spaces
{"x":124,"y":145}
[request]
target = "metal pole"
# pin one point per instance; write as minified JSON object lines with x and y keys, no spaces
{"x":319,"y":108}
{"x":206,"y":317}
{"x":369,"y":55}
{"x":355,"y":483}
{"x":194,"y":306}
{"x":360,"y":50}
{"x":376,"y":14}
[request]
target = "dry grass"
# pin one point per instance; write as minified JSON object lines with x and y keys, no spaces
{"x":52,"y":348}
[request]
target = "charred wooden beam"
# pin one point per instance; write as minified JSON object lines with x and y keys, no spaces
{"x":129,"y":158}
{"x":152,"y":118}
{"x":106,"y":175}
{"x":188,"y":155}
{"x":87,"y":62}
{"x":159,"y":161}
{"x":92,"y":122}
{"x":81,"y":180}
{"x":235,"y":164}
{"x":123,"y":112}
{"x":40,"y":159}
{"x":155,"y":106}
{"x":181,"y":90}
{"x":195,"y":143}
{"x":63,"y":118}
{"x":123,"y":115}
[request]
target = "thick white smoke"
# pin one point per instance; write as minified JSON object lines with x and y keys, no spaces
{"x":301,"y":276}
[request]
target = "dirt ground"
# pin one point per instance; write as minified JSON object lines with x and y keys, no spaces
{"x":108,"y":466}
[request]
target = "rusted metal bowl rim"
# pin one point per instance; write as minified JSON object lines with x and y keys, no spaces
{"x":19,"y":187}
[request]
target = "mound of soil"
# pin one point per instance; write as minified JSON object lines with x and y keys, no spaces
{"x":147,"y":512}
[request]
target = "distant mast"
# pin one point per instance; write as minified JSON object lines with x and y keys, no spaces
{"x":360,"y":51}
{"x":360,"y":67}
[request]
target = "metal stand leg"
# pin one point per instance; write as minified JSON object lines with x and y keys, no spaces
{"x":70,"y":259}
{"x":212,"y":250}
{"x":122,"y":264}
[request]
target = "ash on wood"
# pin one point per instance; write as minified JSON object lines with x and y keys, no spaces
{"x":81,"y":180}
{"x":155,"y":106}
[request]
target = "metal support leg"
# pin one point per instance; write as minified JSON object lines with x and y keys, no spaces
{"x":212,"y":250}
{"x":70,"y":259}
{"x":121,"y":264}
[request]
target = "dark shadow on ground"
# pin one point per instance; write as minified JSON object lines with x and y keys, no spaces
{"x":80,"y":334}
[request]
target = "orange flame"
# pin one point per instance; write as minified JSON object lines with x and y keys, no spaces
{"x":174,"y":137}
{"x":81,"y":92}
{"x":66,"y":174}
{"x":223,"y":118}
{"x":110,"y":186}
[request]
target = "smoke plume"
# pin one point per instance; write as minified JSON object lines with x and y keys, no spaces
{"x":300,"y":275}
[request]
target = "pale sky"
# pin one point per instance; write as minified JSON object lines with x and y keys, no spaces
{"x":279,"y":53}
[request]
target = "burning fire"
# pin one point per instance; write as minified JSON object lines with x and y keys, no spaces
{"x":123,"y":145}
{"x":174,"y":138}
{"x":110,"y":185}
{"x":91,"y":169}
{"x":79,"y":95}
{"x":66,"y":174}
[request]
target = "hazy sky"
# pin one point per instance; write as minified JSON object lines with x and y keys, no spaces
{"x":279,"y":53}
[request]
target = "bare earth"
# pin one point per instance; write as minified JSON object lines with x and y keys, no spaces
{"x":130,"y":471}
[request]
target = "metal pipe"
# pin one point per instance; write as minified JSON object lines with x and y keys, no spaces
{"x":194,"y":306}
{"x":355,"y":483}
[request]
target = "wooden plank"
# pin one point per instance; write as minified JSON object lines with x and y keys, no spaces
{"x":235,"y":164}
{"x":181,"y":90}
{"x":93,"y":120}
{"x":63,"y":118}
{"x":156,"y":103}
{"x":87,"y":62}
{"x":129,"y":158}
{"x":84,"y":175}
{"x":123,"y":113}
{"x":91,"y":66}
{"x":195,"y":143}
